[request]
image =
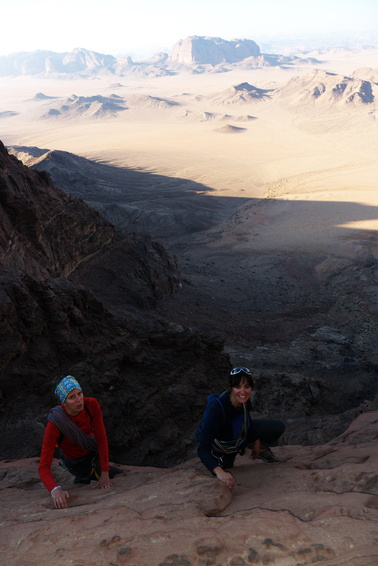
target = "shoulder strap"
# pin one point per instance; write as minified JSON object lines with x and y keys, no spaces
{"x":245,"y":420}
{"x":219,"y":399}
{"x":232,"y":446}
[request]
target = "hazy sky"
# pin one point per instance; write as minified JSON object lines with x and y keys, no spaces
{"x":144,"y":27}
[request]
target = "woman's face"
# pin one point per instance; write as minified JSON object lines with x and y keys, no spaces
{"x":240,"y":393}
{"x":74,"y":402}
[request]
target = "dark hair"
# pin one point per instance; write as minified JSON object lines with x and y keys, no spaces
{"x":237,"y":378}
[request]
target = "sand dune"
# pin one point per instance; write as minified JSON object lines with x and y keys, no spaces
{"x":243,"y":93}
{"x":228,"y":129}
{"x":82,"y":107}
{"x":200,"y":116}
{"x":150,"y":101}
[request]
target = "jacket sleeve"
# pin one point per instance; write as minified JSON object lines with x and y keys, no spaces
{"x":100,"y":433}
{"x":212,"y":429}
{"x":50,"y":440}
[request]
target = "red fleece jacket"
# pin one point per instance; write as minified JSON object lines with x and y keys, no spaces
{"x":92,"y":425}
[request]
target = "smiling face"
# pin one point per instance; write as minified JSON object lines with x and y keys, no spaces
{"x":74,"y":402}
{"x":241,"y":393}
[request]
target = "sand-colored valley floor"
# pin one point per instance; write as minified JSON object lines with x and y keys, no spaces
{"x":300,"y":154}
{"x":232,"y":147}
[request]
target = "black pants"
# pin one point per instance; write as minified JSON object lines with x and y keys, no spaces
{"x":84,"y":469}
{"x":266,"y":430}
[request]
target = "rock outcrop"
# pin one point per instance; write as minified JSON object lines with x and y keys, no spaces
{"x":44,"y":231}
{"x":318,"y":505}
{"x":243,"y":93}
{"x":90,"y":107}
{"x":328,"y":90}
{"x":213,"y":50}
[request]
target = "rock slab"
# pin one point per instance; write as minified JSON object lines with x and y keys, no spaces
{"x":318,"y":505}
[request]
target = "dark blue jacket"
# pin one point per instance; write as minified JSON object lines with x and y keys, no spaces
{"x":221,"y":425}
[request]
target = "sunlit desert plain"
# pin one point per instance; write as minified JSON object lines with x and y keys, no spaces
{"x":287,"y":156}
{"x":195,"y":127}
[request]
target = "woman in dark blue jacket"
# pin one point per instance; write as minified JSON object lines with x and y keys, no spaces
{"x":227,"y":428}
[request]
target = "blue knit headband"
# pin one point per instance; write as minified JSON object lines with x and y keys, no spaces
{"x":67,"y":384}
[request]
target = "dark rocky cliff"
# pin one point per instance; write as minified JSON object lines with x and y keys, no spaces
{"x":44,"y":231}
{"x":77,"y":297}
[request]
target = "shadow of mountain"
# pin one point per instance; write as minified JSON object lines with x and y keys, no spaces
{"x":290,"y":284}
{"x":171,"y":207}
{"x":276,"y":267}
{"x":160,"y":206}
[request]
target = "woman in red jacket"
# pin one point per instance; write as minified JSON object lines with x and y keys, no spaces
{"x":77,"y":427}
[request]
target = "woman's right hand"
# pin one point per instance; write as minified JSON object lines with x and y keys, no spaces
{"x":224,"y":477}
{"x":60,"y":498}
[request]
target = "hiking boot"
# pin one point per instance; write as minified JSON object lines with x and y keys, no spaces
{"x":113,"y":471}
{"x":267,"y":455}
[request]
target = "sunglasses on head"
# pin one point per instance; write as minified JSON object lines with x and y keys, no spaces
{"x":235,"y":371}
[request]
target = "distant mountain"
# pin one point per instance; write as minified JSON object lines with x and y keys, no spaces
{"x":322,"y":87}
{"x":97,"y":106}
{"x":367,"y":74}
{"x":193,"y":54}
{"x":317,"y":43}
{"x":213,"y":50}
{"x":40,"y":96}
{"x":48,"y":62}
{"x":87,"y":107}
{"x":241,"y":94}
{"x":148,"y":101}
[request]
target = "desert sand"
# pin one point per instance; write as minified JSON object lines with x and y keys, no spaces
{"x":288,"y":151}
{"x":299,"y":171}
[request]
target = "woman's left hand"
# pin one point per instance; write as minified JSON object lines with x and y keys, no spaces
{"x":104,"y":481}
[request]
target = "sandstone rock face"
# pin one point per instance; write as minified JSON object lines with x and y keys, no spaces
{"x":318,"y":505}
{"x":213,"y":50}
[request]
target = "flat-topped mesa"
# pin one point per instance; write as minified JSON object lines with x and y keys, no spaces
{"x":213,"y":50}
